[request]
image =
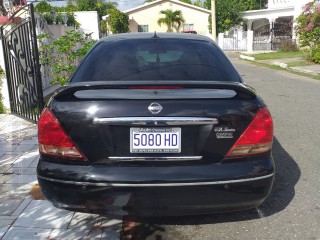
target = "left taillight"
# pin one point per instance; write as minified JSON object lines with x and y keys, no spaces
{"x":257,"y":138}
{"x":54,"y":141}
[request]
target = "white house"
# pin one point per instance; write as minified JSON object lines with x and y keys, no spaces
{"x":266,"y":29}
{"x":284,"y":11}
{"x":145,"y":18}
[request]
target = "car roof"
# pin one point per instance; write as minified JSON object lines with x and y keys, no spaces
{"x":126,"y":36}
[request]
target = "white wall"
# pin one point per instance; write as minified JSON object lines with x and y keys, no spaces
{"x":89,"y":22}
{"x":4,"y":85}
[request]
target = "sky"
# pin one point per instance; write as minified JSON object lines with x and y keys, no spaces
{"x":127,"y":4}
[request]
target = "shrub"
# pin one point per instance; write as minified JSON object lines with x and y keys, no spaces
{"x":308,"y":28}
{"x":288,"y":46}
{"x":315,"y":55}
{"x":64,"y":54}
{"x":48,"y":18}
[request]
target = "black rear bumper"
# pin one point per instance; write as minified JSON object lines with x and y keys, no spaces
{"x":216,"y":192}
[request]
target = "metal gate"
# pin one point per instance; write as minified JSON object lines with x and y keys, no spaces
{"x":235,"y":40}
{"x":266,"y":38}
{"x":20,"y":48}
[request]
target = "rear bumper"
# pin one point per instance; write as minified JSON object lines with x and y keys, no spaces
{"x":208,"y":194}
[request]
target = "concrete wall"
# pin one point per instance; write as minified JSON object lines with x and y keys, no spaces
{"x":149,"y":15}
{"x":3,"y":83}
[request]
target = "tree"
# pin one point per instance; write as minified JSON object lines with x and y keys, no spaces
{"x":243,"y":5}
{"x":103,"y":8}
{"x":198,"y":3}
{"x":308,"y":28}
{"x":119,"y":21}
{"x":173,"y":19}
{"x":229,"y":12}
{"x":43,"y":7}
{"x":186,"y":1}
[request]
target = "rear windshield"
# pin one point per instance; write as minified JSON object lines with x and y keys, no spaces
{"x":155,"y":59}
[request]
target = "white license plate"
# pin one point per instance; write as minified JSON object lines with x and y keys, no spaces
{"x":155,"y":140}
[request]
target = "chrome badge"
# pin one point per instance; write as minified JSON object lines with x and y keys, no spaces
{"x":155,"y":108}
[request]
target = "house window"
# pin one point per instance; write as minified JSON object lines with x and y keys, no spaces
{"x":188,"y":27}
{"x":143,"y":28}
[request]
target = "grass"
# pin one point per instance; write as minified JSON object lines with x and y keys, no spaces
{"x":316,"y":77}
{"x":278,"y":55}
{"x":299,"y":63}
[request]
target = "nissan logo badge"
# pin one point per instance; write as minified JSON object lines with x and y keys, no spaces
{"x":155,"y":108}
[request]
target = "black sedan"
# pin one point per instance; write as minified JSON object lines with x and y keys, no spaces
{"x":155,"y":125}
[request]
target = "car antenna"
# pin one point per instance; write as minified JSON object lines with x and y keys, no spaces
{"x":155,"y":35}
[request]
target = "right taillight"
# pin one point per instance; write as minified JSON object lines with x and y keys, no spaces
{"x":257,"y":138}
{"x":54,"y":141}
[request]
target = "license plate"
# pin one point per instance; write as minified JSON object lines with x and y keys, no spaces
{"x":155,"y":140}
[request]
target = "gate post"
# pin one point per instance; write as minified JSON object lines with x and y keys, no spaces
{"x":220,"y":40}
{"x":36,"y":60}
{"x":250,"y":41}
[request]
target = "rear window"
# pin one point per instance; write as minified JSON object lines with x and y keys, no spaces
{"x":155,"y":59}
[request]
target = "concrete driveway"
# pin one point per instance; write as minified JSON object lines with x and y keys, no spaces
{"x":24,"y":213}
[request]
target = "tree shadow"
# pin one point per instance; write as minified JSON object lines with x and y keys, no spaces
{"x":287,"y":175}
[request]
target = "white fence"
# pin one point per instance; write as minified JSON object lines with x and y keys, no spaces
{"x":233,"y":40}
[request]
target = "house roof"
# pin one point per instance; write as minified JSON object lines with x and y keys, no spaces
{"x":157,"y":2}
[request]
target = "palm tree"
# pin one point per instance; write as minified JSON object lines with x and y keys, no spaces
{"x":173,"y":19}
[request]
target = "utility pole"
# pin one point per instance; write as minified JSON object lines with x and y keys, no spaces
{"x":214,"y":25}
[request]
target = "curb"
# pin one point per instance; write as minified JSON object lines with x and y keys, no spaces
{"x":280,"y":64}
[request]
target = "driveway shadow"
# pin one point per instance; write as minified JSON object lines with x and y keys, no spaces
{"x":287,"y":175}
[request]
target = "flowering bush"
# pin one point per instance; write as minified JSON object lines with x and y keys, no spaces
{"x":308,"y":29}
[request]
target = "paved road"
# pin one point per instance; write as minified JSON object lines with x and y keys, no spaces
{"x":293,"y":209}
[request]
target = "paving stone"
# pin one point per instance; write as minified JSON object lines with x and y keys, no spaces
{"x":18,"y":189}
{"x":5,"y":222}
{"x":6,"y":147}
{"x":23,"y":179}
{"x":32,"y":141}
{"x":110,"y":223}
{"x":68,"y":234}
{"x":26,"y":159}
{"x":23,"y":148}
{"x":3,"y":230}
{"x":22,"y":206}
{"x":34,"y":163}
{"x":5,"y":168}
{"x":7,"y":177}
{"x":110,"y":234}
{"x":18,"y":233}
{"x":8,"y":158}
{"x":41,"y":214}
{"x":95,"y":233}
{"x":23,"y":171}
{"x":84,"y":221}
{"x":8,"y":206}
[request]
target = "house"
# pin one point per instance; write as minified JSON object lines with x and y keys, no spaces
{"x":284,"y":11}
{"x":145,"y":18}
{"x":265,"y":29}
{"x":275,"y":24}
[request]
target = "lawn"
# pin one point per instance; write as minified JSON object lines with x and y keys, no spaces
{"x":278,"y":55}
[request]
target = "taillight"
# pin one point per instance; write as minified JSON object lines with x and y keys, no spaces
{"x":257,"y":138}
{"x":53,"y":140}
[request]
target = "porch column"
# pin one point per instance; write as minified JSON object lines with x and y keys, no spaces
{"x":271,"y":24}
{"x":250,"y":41}
{"x":249,"y":24}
